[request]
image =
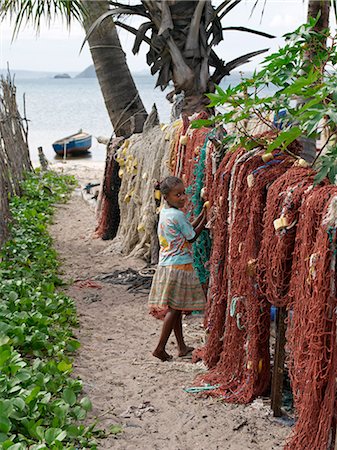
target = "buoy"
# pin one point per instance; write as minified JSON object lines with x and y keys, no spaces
{"x":127,"y":198}
{"x":120,"y":173}
{"x":206,"y":205}
{"x":202,"y":193}
{"x":281,"y":223}
{"x":144,"y":176}
{"x":267,"y":157}
{"x":157,"y":194}
{"x":250,"y":180}
{"x":183,"y":139}
{"x":302,"y":163}
{"x":141,"y":227}
{"x":260,"y":365}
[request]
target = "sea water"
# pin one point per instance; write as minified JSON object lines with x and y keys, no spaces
{"x":56,"y":108}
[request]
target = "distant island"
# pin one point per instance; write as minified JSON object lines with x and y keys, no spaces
{"x":89,"y":72}
{"x":62,"y":75}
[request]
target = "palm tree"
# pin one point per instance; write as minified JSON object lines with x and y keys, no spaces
{"x":125,"y":108}
{"x":181,"y":36}
{"x":124,"y":105}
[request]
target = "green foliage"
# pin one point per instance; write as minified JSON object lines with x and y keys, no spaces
{"x":304,"y":69}
{"x":40,"y":403}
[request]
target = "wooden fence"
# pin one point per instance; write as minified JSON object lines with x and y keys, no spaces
{"x":14,"y":153}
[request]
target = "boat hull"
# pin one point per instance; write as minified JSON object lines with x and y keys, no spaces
{"x":73,"y":146}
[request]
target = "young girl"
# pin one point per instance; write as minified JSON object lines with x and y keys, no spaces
{"x":175,"y":285}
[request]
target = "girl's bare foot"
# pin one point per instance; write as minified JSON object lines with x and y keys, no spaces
{"x":185,"y":351}
{"x":162,"y":355}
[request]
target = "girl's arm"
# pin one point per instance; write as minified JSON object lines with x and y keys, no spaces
{"x":199,"y":224}
{"x":198,"y":219}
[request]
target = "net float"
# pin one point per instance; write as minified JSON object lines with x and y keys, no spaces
{"x":250,"y":180}
{"x":267,"y":157}
{"x":141,"y":227}
{"x":157,"y":194}
{"x":183,"y":139}
{"x":206,"y":205}
{"x":281,"y":223}
{"x":302,"y":163}
{"x":127,"y":198}
{"x":203,"y":193}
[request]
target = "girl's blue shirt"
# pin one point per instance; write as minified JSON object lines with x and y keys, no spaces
{"x":174,"y":232}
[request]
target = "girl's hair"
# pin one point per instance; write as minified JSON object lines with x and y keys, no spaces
{"x":168,"y":184}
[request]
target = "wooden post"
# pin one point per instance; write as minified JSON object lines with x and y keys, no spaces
{"x":279,"y":358}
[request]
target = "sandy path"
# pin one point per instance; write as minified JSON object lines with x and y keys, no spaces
{"x":125,"y":383}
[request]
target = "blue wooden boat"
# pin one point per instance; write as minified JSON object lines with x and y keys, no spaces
{"x":76,"y":144}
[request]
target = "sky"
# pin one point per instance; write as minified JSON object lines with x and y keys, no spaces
{"x":57,"y":49}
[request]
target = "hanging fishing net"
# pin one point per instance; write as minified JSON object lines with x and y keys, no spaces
{"x":280,"y":225}
{"x":214,"y":321}
{"x":243,"y":370}
{"x":311,"y":332}
{"x":109,"y":212}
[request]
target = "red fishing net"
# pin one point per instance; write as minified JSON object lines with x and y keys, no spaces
{"x":110,"y":214}
{"x":217,"y":293}
{"x":312,"y":323}
{"x":275,"y":258}
{"x":243,"y":370}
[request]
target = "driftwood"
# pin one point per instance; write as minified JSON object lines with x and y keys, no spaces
{"x":14,"y":153}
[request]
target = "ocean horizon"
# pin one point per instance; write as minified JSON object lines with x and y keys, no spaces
{"x":60,"y":107}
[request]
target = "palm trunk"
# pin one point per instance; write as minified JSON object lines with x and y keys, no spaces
{"x":126,"y":110}
{"x":322,"y":7}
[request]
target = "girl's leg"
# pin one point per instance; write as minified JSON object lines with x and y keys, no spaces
{"x":168,"y":326}
{"x":183,"y":349}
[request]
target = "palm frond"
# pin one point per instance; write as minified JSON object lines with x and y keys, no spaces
{"x":37,"y":11}
{"x":229,"y":8}
{"x":242,"y":60}
{"x":249,"y":30}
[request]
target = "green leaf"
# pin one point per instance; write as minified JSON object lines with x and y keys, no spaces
{"x":86,"y":404}
{"x":19,"y":403}
{"x":73,"y":345}
{"x":284,"y":139}
{"x":79,"y":413}
{"x":321,"y":174}
{"x":63,"y":366}
{"x":69,"y":396}
{"x":5,"y":424}
{"x":116,"y":429}
{"x":32,"y":395}
{"x":17,"y":447}
{"x":4,"y":340}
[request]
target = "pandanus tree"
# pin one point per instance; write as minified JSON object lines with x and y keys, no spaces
{"x":181,"y":36}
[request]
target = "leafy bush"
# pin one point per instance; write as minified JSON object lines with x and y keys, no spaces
{"x":303,"y":77}
{"x":39,"y":400}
